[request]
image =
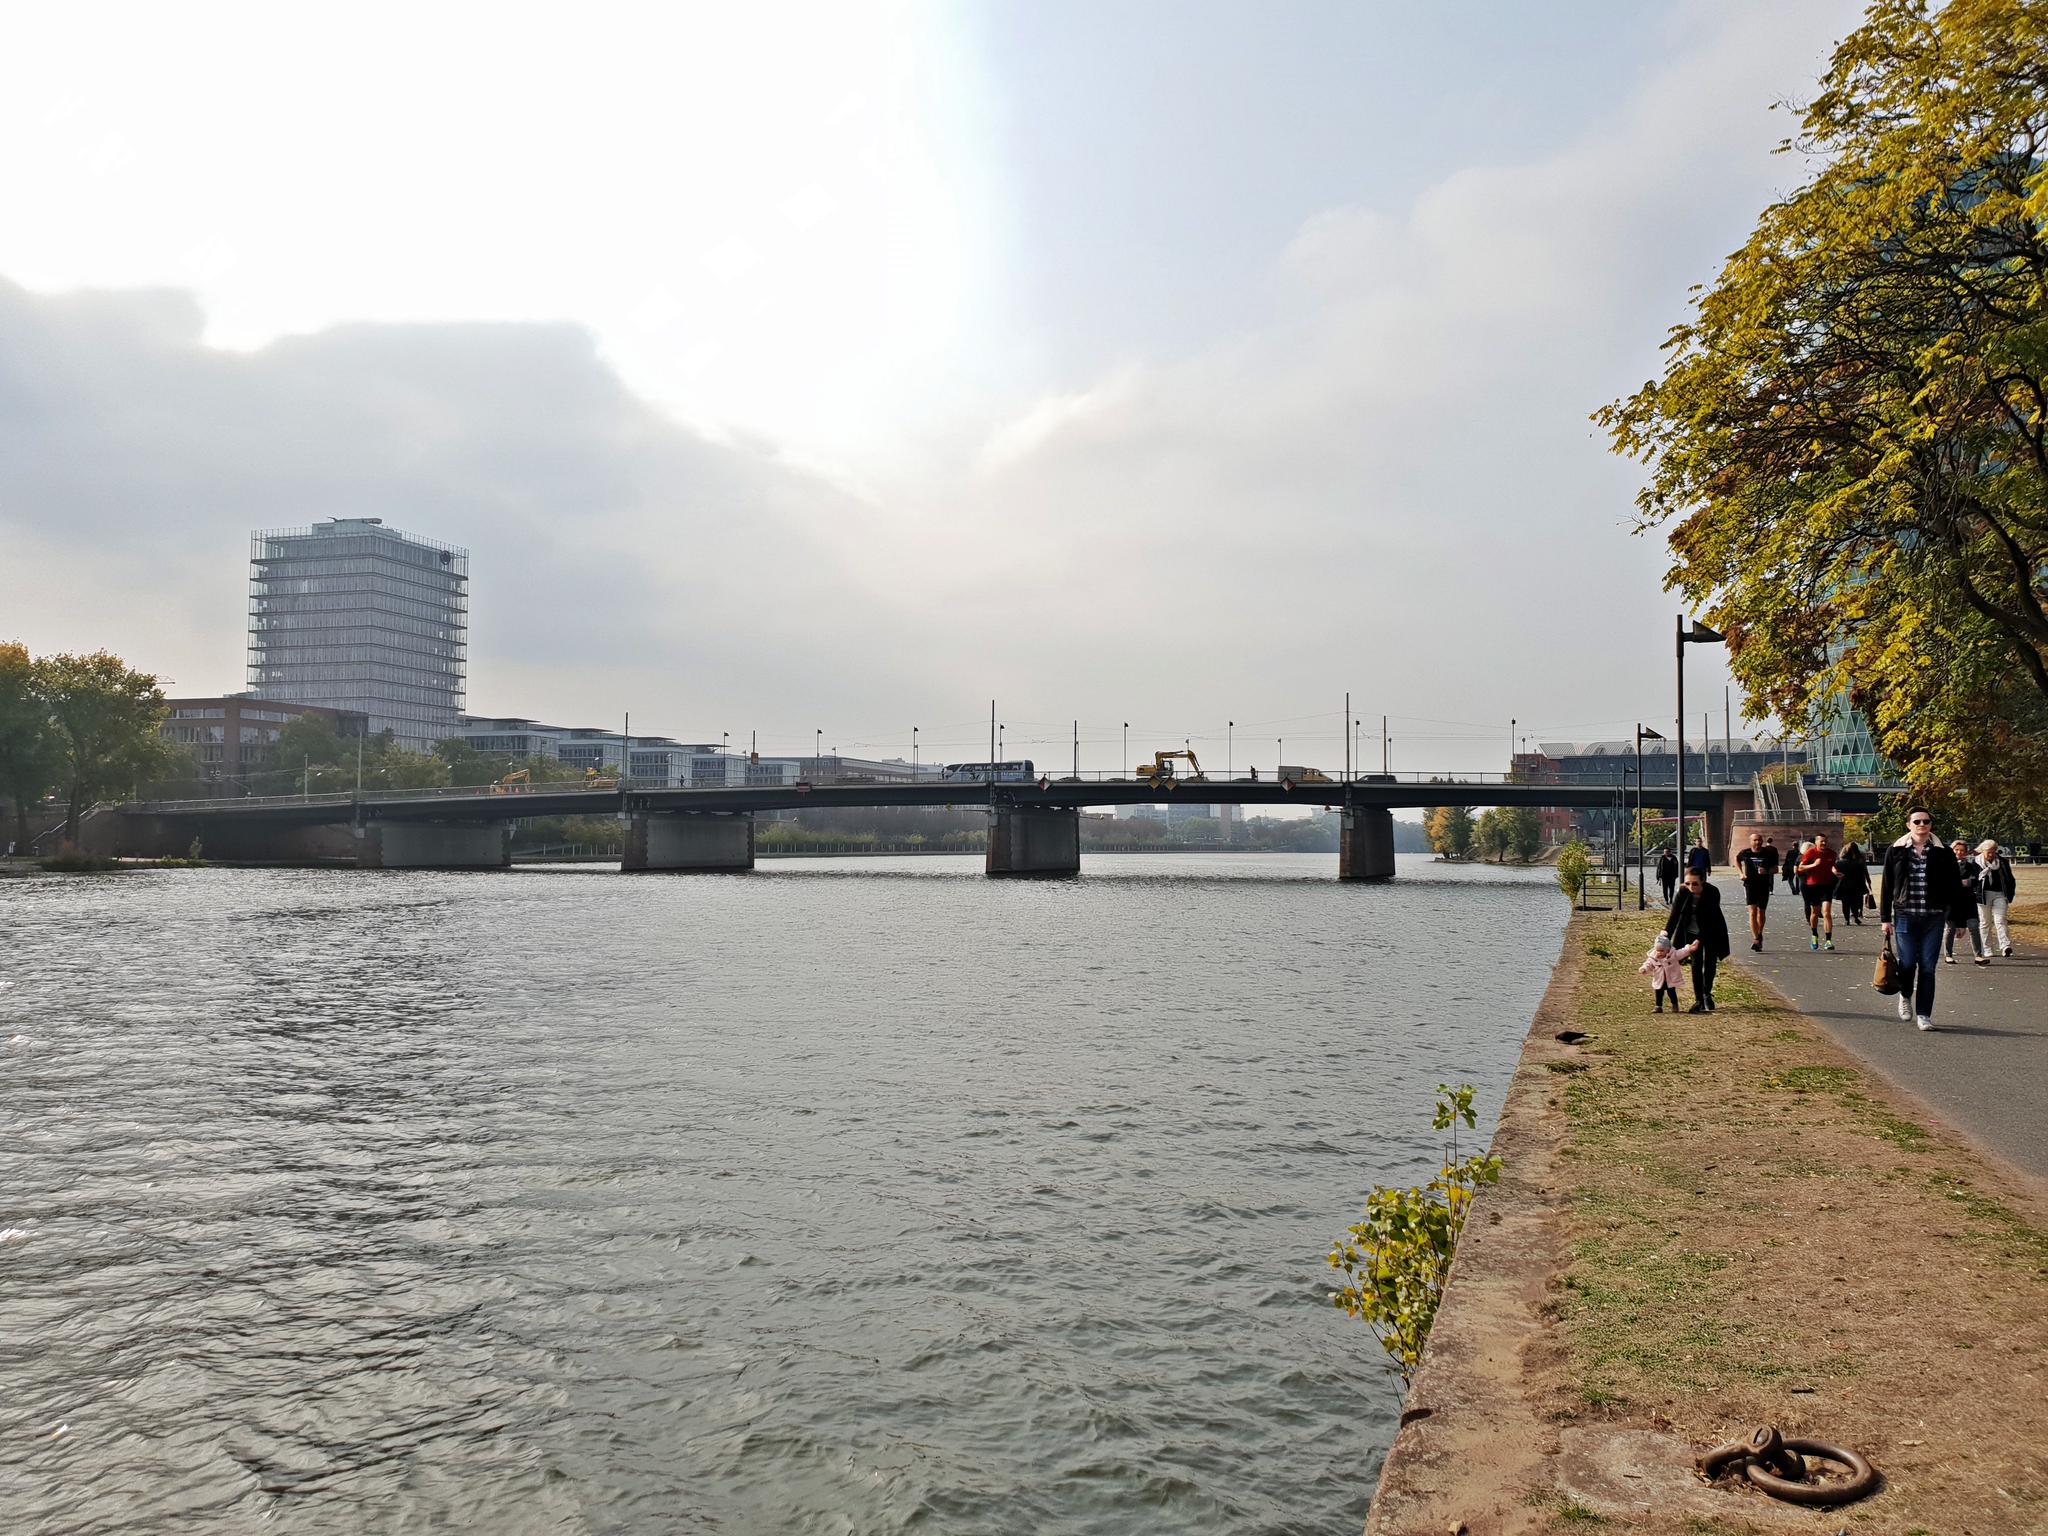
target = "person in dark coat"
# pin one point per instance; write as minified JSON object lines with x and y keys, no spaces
{"x":1853,"y":872}
{"x":1698,"y":858}
{"x":1696,"y":915}
{"x":1667,"y":873}
{"x":1962,"y":913}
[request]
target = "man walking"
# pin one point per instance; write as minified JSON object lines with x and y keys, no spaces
{"x":1817,"y":880}
{"x":1667,"y":873}
{"x":1995,"y":890}
{"x":1759,"y":866}
{"x":1921,"y":882}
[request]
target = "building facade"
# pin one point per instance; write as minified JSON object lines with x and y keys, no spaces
{"x":236,"y":735}
{"x":351,"y":615}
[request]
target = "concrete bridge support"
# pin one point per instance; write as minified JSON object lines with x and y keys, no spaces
{"x":1034,"y":840}
{"x":1365,"y":844}
{"x":686,"y":840}
{"x":436,"y":845}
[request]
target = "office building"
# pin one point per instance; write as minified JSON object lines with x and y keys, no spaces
{"x":351,"y":615}
{"x":236,"y":735}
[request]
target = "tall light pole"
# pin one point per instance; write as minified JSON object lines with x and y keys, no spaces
{"x":1229,"y":748}
{"x":913,"y":754}
{"x":817,"y":751}
{"x":1511,"y":746}
{"x":1699,"y":635}
{"x":1643,"y":733}
{"x":1127,"y":749}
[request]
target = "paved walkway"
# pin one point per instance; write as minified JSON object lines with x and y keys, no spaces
{"x":1985,"y":1066}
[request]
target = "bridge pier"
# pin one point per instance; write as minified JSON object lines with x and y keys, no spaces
{"x":685,"y":840}
{"x":436,"y":845}
{"x":1034,"y":840}
{"x":1365,"y":844}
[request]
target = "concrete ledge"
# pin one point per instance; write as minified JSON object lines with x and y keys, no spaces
{"x":1470,"y":1445}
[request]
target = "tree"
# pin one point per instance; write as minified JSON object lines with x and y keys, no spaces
{"x":1850,"y":438}
{"x":1449,"y":828}
{"x":1573,"y":865}
{"x":106,"y":718}
{"x":28,"y":743}
{"x":1490,"y":835}
{"x":1525,"y":832}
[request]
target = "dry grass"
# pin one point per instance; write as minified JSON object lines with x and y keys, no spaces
{"x":1758,"y":1233}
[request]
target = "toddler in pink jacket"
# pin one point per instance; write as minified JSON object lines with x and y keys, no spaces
{"x":1664,"y":966}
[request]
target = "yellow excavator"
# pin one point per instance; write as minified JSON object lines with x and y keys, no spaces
{"x":1160,"y":770}
{"x":518,"y":780}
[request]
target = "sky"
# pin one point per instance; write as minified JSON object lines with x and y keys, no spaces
{"x":842,"y":368}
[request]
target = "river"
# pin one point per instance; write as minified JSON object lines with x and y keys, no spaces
{"x":846,"y":1196}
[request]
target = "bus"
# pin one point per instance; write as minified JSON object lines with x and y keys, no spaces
{"x":990,"y":773}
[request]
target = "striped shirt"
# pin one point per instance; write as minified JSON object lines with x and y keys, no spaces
{"x":1914,"y":897}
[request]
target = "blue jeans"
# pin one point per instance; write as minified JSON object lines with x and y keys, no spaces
{"x":1916,"y":940}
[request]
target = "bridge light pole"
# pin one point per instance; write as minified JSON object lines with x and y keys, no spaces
{"x":1229,"y":749}
{"x":817,"y":752}
{"x":1699,"y":635}
{"x":1643,"y":733}
{"x":913,"y":754}
{"x":1127,"y":749}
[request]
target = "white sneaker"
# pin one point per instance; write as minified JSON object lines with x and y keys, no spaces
{"x":1924,"y":1022}
{"x":1905,"y":1006}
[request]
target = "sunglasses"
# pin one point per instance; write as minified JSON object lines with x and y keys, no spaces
{"x":1921,"y":821}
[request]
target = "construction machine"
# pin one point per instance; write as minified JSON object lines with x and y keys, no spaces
{"x":513,"y":783}
{"x":1160,"y":769}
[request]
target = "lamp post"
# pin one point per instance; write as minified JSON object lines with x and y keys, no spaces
{"x":1000,"y":728}
{"x":1643,"y":733}
{"x":1229,"y":748}
{"x":817,"y":752}
{"x":913,"y":754}
{"x":1127,"y":749}
{"x":1698,"y":635}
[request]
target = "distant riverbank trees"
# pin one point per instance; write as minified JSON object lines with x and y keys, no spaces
{"x":1849,"y":443}
{"x":80,"y":726}
{"x":1449,"y":828}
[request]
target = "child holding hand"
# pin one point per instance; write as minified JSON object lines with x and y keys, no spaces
{"x":1664,"y":966}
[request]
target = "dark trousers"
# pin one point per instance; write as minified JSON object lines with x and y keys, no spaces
{"x":1703,"y":967}
{"x":1670,"y":884}
{"x":1674,"y":998}
{"x":1916,"y":941}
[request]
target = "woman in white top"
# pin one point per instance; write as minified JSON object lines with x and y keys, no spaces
{"x":1994,"y":893}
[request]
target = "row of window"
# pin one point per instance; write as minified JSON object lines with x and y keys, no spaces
{"x":326,"y":546}
{"x":272,"y":567}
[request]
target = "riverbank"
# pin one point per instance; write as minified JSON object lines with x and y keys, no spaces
{"x":1709,"y":1223}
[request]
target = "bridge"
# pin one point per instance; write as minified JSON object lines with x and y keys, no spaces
{"x":1034,"y":825}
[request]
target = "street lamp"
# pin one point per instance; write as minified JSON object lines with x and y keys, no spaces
{"x":817,"y":752}
{"x":913,"y":754}
{"x":1000,"y":728}
{"x":1643,"y":733}
{"x":1127,"y":749}
{"x":1699,"y":635}
{"x":1229,"y":748}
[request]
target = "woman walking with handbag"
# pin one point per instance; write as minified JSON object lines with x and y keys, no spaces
{"x":1696,"y":919}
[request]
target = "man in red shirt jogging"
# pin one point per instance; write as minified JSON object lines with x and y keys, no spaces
{"x":1817,"y":883}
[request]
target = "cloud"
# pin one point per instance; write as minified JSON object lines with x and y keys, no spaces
{"x":609,"y":541}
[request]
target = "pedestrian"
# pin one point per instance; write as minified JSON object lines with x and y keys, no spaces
{"x":1792,"y":859}
{"x":1852,"y":882}
{"x":1817,"y":883}
{"x":1962,"y":916}
{"x":1913,"y":901}
{"x":1699,"y":859}
{"x":1995,"y":889}
{"x":1664,"y":965}
{"x":1759,"y":866}
{"x":1696,"y":920}
{"x":1667,"y":872}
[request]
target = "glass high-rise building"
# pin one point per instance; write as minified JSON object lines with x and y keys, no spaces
{"x":352,"y":615}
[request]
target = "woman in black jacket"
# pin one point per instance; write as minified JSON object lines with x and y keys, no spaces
{"x":1852,"y":888}
{"x":1696,"y":915}
{"x":1921,"y":883}
{"x":1962,"y":912}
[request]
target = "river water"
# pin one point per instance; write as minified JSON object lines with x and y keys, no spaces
{"x":848,"y":1196}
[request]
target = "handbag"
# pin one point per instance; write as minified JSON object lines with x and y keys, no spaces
{"x":1885,"y":978}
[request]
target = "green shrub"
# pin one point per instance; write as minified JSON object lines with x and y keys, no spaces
{"x":1396,"y":1260}
{"x":1573,"y":865}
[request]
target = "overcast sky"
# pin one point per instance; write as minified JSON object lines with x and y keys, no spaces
{"x":844,"y":367}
